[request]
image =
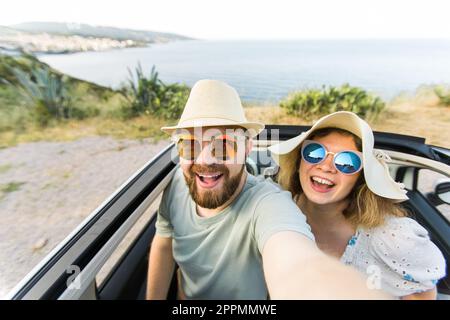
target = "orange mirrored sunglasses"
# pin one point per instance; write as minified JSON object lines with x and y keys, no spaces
{"x":223,"y":147}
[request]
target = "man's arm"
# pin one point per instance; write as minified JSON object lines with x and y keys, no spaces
{"x":295,"y":268}
{"x":160,"y":268}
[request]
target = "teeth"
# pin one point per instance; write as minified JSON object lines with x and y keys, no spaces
{"x":322,"y":181}
{"x":209,"y":176}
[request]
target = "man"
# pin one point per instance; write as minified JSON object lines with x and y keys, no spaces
{"x":232,"y":235}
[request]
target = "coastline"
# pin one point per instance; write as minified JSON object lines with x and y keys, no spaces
{"x":59,"y":46}
{"x":45,"y":43}
{"x":266,"y":70}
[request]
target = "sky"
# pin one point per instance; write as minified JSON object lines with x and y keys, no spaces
{"x":248,"y":19}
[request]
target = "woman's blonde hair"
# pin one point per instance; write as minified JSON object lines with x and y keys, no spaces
{"x":365,"y":208}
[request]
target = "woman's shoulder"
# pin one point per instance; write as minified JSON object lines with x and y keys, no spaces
{"x":400,"y":229}
{"x":404,"y":245}
{"x":399,"y":236}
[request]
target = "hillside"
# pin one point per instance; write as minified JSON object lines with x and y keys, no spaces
{"x":85,"y":30}
{"x":52,"y":37}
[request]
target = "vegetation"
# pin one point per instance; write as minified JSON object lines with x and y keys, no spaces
{"x":5,"y":168}
{"x":443,"y":94}
{"x":314,"y":102}
{"x":11,"y":187}
{"x":32,"y":92}
{"x":37,"y":102}
{"x":151,"y":96}
{"x":46,"y":93}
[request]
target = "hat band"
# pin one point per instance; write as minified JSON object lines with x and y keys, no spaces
{"x":214,"y":117}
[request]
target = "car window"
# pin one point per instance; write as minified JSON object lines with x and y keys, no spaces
{"x":427,"y":180}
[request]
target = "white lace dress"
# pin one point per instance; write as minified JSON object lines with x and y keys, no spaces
{"x":398,"y":257}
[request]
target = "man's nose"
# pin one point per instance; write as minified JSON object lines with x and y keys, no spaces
{"x":205,"y":156}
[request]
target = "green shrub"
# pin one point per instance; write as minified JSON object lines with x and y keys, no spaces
{"x":31,"y":91}
{"x":314,"y":102}
{"x":173,"y":98}
{"x":151,"y":96}
{"x":14,"y":119}
{"x":443,"y":95}
{"x":46,"y":93}
{"x":9,"y":97}
{"x":25,"y":62}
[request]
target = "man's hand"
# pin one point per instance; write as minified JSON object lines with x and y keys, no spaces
{"x":160,"y":268}
{"x":295,"y":268}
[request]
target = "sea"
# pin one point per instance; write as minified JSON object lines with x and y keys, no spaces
{"x":267,"y":71}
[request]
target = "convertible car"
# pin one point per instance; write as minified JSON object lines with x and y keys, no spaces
{"x":106,"y":257}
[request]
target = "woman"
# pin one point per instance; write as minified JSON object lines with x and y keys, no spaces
{"x":343,"y":186}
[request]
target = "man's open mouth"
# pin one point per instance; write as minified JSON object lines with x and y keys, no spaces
{"x":208,"y":180}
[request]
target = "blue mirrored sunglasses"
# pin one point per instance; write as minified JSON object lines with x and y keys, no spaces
{"x":346,"y":162}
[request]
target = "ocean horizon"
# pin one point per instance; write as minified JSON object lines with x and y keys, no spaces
{"x":267,"y":71}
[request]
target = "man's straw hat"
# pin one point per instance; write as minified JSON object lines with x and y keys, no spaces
{"x":214,"y":103}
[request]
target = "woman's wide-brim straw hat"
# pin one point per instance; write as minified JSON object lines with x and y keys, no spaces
{"x":213,"y":103}
{"x":376,"y":171}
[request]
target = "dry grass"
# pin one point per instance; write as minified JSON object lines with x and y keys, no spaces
{"x":273,"y":115}
{"x":137,"y":128}
{"x":410,"y":116}
{"x":417,"y":116}
{"x":429,"y":122}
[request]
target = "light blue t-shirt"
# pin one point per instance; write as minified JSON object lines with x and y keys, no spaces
{"x":220,"y":256}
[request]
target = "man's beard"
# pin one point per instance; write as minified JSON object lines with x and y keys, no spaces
{"x":212,"y":199}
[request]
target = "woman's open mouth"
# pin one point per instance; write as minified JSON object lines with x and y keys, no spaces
{"x":321,"y":184}
{"x":208,"y":180}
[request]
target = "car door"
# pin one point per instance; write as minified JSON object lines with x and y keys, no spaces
{"x":71,"y":270}
{"x":425,"y":179}
{"x":106,"y":257}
